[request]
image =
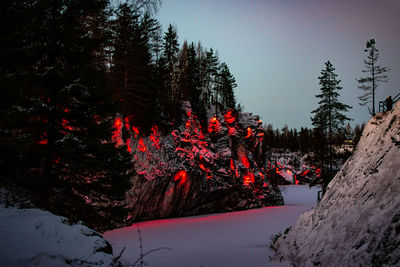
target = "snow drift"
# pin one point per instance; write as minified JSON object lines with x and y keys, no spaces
{"x":34,"y":237}
{"x":357,"y":223}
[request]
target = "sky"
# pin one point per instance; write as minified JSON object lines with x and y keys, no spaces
{"x":276,"y":49}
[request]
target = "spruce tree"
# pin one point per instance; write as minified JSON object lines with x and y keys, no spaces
{"x":328,"y":117}
{"x":132,"y":66}
{"x":59,"y":114}
{"x":226,"y":85}
{"x":375,"y":75}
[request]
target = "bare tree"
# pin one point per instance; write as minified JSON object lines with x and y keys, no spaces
{"x":375,"y":76}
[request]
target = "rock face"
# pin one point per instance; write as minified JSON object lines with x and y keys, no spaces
{"x":357,"y":223}
{"x":194,"y":170}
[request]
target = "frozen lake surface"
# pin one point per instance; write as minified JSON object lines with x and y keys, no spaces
{"x":225,"y":239}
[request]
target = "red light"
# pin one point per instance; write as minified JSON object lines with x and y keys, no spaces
{"x":141,"y":145}
{"x":128,"y":144}
{"x":229,"y":117}
{"x":248,"y":178}
{"x":249,"y":133}
{"x":118,"y":123}
{"x":245,"y":162}
{"x":155,"y":137}
{"x":232,"y":165}
{"x":65,"y":125}
{"x":136,"y":130}
{"x":181,"y":177}
{"x":214,"y":125}
{"x":202,"y":167}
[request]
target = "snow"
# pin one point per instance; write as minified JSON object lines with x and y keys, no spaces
{"x":223,"y":239}
{"x":357,"y":223}
{"x":33,"y":237}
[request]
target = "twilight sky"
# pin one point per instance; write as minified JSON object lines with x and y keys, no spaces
{"x":276,"y":49}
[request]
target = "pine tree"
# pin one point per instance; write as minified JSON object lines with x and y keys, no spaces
{"x":375,"y":76}
{"x":328,"y":117}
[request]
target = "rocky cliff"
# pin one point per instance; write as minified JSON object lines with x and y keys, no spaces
{"x":357,"y":223}
{"x":194,"y":170}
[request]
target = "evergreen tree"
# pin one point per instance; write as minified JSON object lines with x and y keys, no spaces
{"x":375,"y":76}
{"x":226,"y":85}
{"x":210,"y":72}
{"x":171,"y":48}
{"x":131,"y":66}
{"x":58,"y":115}
{"x":329,"y":117}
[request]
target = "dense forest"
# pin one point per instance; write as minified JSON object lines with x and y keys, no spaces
{"x":68,"y":69}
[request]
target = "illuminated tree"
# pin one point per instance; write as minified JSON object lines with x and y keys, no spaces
{"x":328,"y":117}
{"x":375,"y":76}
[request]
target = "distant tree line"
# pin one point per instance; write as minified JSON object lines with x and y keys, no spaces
{"x":306,"y":139}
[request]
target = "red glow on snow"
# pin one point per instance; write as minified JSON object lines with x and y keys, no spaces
{"x":229,"y":117}
{"x":245,"y":162}
{"x":181,"y":177}
{"x":141,"y":145}
{"x":296,"y":181}
{"x":248,"y":178}
{"x":214,"y":125}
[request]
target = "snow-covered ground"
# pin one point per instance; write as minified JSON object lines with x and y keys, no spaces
{"x":228,"y":239}
{"x":34,"y":237}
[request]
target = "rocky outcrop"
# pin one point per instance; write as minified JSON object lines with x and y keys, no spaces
{"x":357,"y":223}
{"x":194,"y":170}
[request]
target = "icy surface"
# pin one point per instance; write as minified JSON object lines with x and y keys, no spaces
{"x":357,"y":223}
{"x":33,"y":237}
{"x":222,"y":239}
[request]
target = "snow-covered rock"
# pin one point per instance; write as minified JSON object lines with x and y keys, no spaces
{"x":195,"y":170}
{"x":357,"y":223}
{"x":34,"y":237}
